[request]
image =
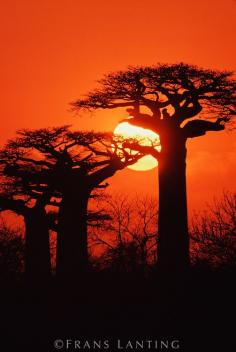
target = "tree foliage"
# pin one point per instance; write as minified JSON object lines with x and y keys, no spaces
{"x":60,"y":168}
{"x":38,"y":164}
{"x":178,"y":91}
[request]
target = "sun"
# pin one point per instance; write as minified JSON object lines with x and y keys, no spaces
{"x":147,"y":137}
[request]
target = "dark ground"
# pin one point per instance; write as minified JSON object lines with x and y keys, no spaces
{"x":198,"y":310}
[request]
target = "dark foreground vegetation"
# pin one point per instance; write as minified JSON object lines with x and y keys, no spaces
{"x":197,"y":309}
{"x":116,"y":299}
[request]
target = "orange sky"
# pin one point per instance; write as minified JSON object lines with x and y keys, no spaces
{"x":52,"y":51}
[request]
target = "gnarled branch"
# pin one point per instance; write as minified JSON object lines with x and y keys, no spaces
{"x":198,"y":128}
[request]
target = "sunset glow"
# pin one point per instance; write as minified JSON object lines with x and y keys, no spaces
{"x":49,"y":59}
{"x":146,"y":137}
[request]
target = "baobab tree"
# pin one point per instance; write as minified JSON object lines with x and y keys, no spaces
{"x":37,"y":248}
{"x":103,"y":156}
{"x":19,"y":196}
{"x":167,"y":100}
{"x":65,"y":169}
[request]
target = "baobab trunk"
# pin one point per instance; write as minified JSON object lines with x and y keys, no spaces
{"x":37,"y":256}
{"x":173,"y":243}
{"x":72,"y":246}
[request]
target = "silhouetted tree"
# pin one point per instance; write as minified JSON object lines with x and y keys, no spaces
{"x":37,"y":223}
{"x":65,"y":168}
{"x":172,"y":95}
{"x":102,"y":162}
{"x":18,"y":175}
{"x":129,"y":238}
{"x":213,"y":233}
{"x":11,"y":253}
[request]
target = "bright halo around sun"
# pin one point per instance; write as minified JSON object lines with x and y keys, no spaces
{"x":147,"y":137}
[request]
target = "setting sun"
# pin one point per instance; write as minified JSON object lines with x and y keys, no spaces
{"x":147,"y":137}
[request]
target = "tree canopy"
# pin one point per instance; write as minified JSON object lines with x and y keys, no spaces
{"x":176,"y":91}
{"x":42,"y":160}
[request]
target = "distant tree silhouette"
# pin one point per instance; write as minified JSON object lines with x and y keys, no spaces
{"x":129,"y":238}
{"x":213,"y":233}
{"x":172,"y":95}
{"x":11,"y":254}
{"x":64,"y":169}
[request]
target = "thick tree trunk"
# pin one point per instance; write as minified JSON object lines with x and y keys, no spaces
{"x":72,"y":247}
{"x":37,"y":255}
{"x":173,"y":243}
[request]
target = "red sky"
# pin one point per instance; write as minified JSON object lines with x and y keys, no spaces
{"x":52,"y":51}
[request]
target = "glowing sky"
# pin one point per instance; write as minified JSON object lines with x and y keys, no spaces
{"x":52,"y":51}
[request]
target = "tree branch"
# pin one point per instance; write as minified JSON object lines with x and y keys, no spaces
{"x":36,"y":162}
{"x":198,"y":128}
{"x":146,"y":150}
